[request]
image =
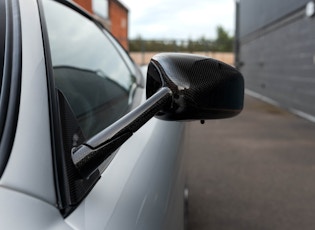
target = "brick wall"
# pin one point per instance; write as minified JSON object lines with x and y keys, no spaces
{"x":86,"y":4}
{"x":118,"y":15}
{"x":118,"y":19}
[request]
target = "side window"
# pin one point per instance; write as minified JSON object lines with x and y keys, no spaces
{"x":88,"y":69}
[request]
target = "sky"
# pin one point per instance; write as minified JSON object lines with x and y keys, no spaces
{"x":179,"y":19}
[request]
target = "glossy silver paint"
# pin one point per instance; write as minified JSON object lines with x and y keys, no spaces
{"x":27,"y":193}
{"x":29,"y":169}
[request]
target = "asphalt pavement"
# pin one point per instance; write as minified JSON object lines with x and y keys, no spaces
{"x":254,"y":171}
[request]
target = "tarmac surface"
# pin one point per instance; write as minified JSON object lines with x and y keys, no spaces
{"x":254,"y":171}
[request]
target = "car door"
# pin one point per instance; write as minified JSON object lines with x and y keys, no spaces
{"x":92,"y":83}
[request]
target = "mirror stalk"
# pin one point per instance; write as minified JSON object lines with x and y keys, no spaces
{"x":88,"y":156}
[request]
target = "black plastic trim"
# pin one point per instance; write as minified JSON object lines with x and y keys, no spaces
{"x":2,"y":40}
{"x":11,"y":87}
{"x":60,"y":177}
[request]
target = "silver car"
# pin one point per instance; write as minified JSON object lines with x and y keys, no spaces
{"x":85,"y":141}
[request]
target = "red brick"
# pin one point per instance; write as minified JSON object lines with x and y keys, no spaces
{"x":86,"y":4}
{"x":118,"y":15}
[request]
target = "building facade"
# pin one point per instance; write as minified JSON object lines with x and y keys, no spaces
{"x":112,"y":14}
{"x":118,"y":15}
{"x":275,"y":50}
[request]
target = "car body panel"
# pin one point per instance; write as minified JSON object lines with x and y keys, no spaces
{"x":30,"y":164}
{"x":22,"y":211}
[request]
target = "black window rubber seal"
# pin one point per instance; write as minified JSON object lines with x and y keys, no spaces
{"x":3,"y":80}
{"x":11,"y":84}
{"x":2,"y":42}
{"x":60,"y":178}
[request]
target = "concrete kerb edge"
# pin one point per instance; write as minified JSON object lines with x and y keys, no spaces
{"x":268,"y":100}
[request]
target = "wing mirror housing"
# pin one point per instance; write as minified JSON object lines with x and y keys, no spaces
{"x":202,"y":88}
{"x":179,"y":87}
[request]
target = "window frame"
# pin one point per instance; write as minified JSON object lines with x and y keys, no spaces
{"x":62,"y":181}
{"x":11,"y":81}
